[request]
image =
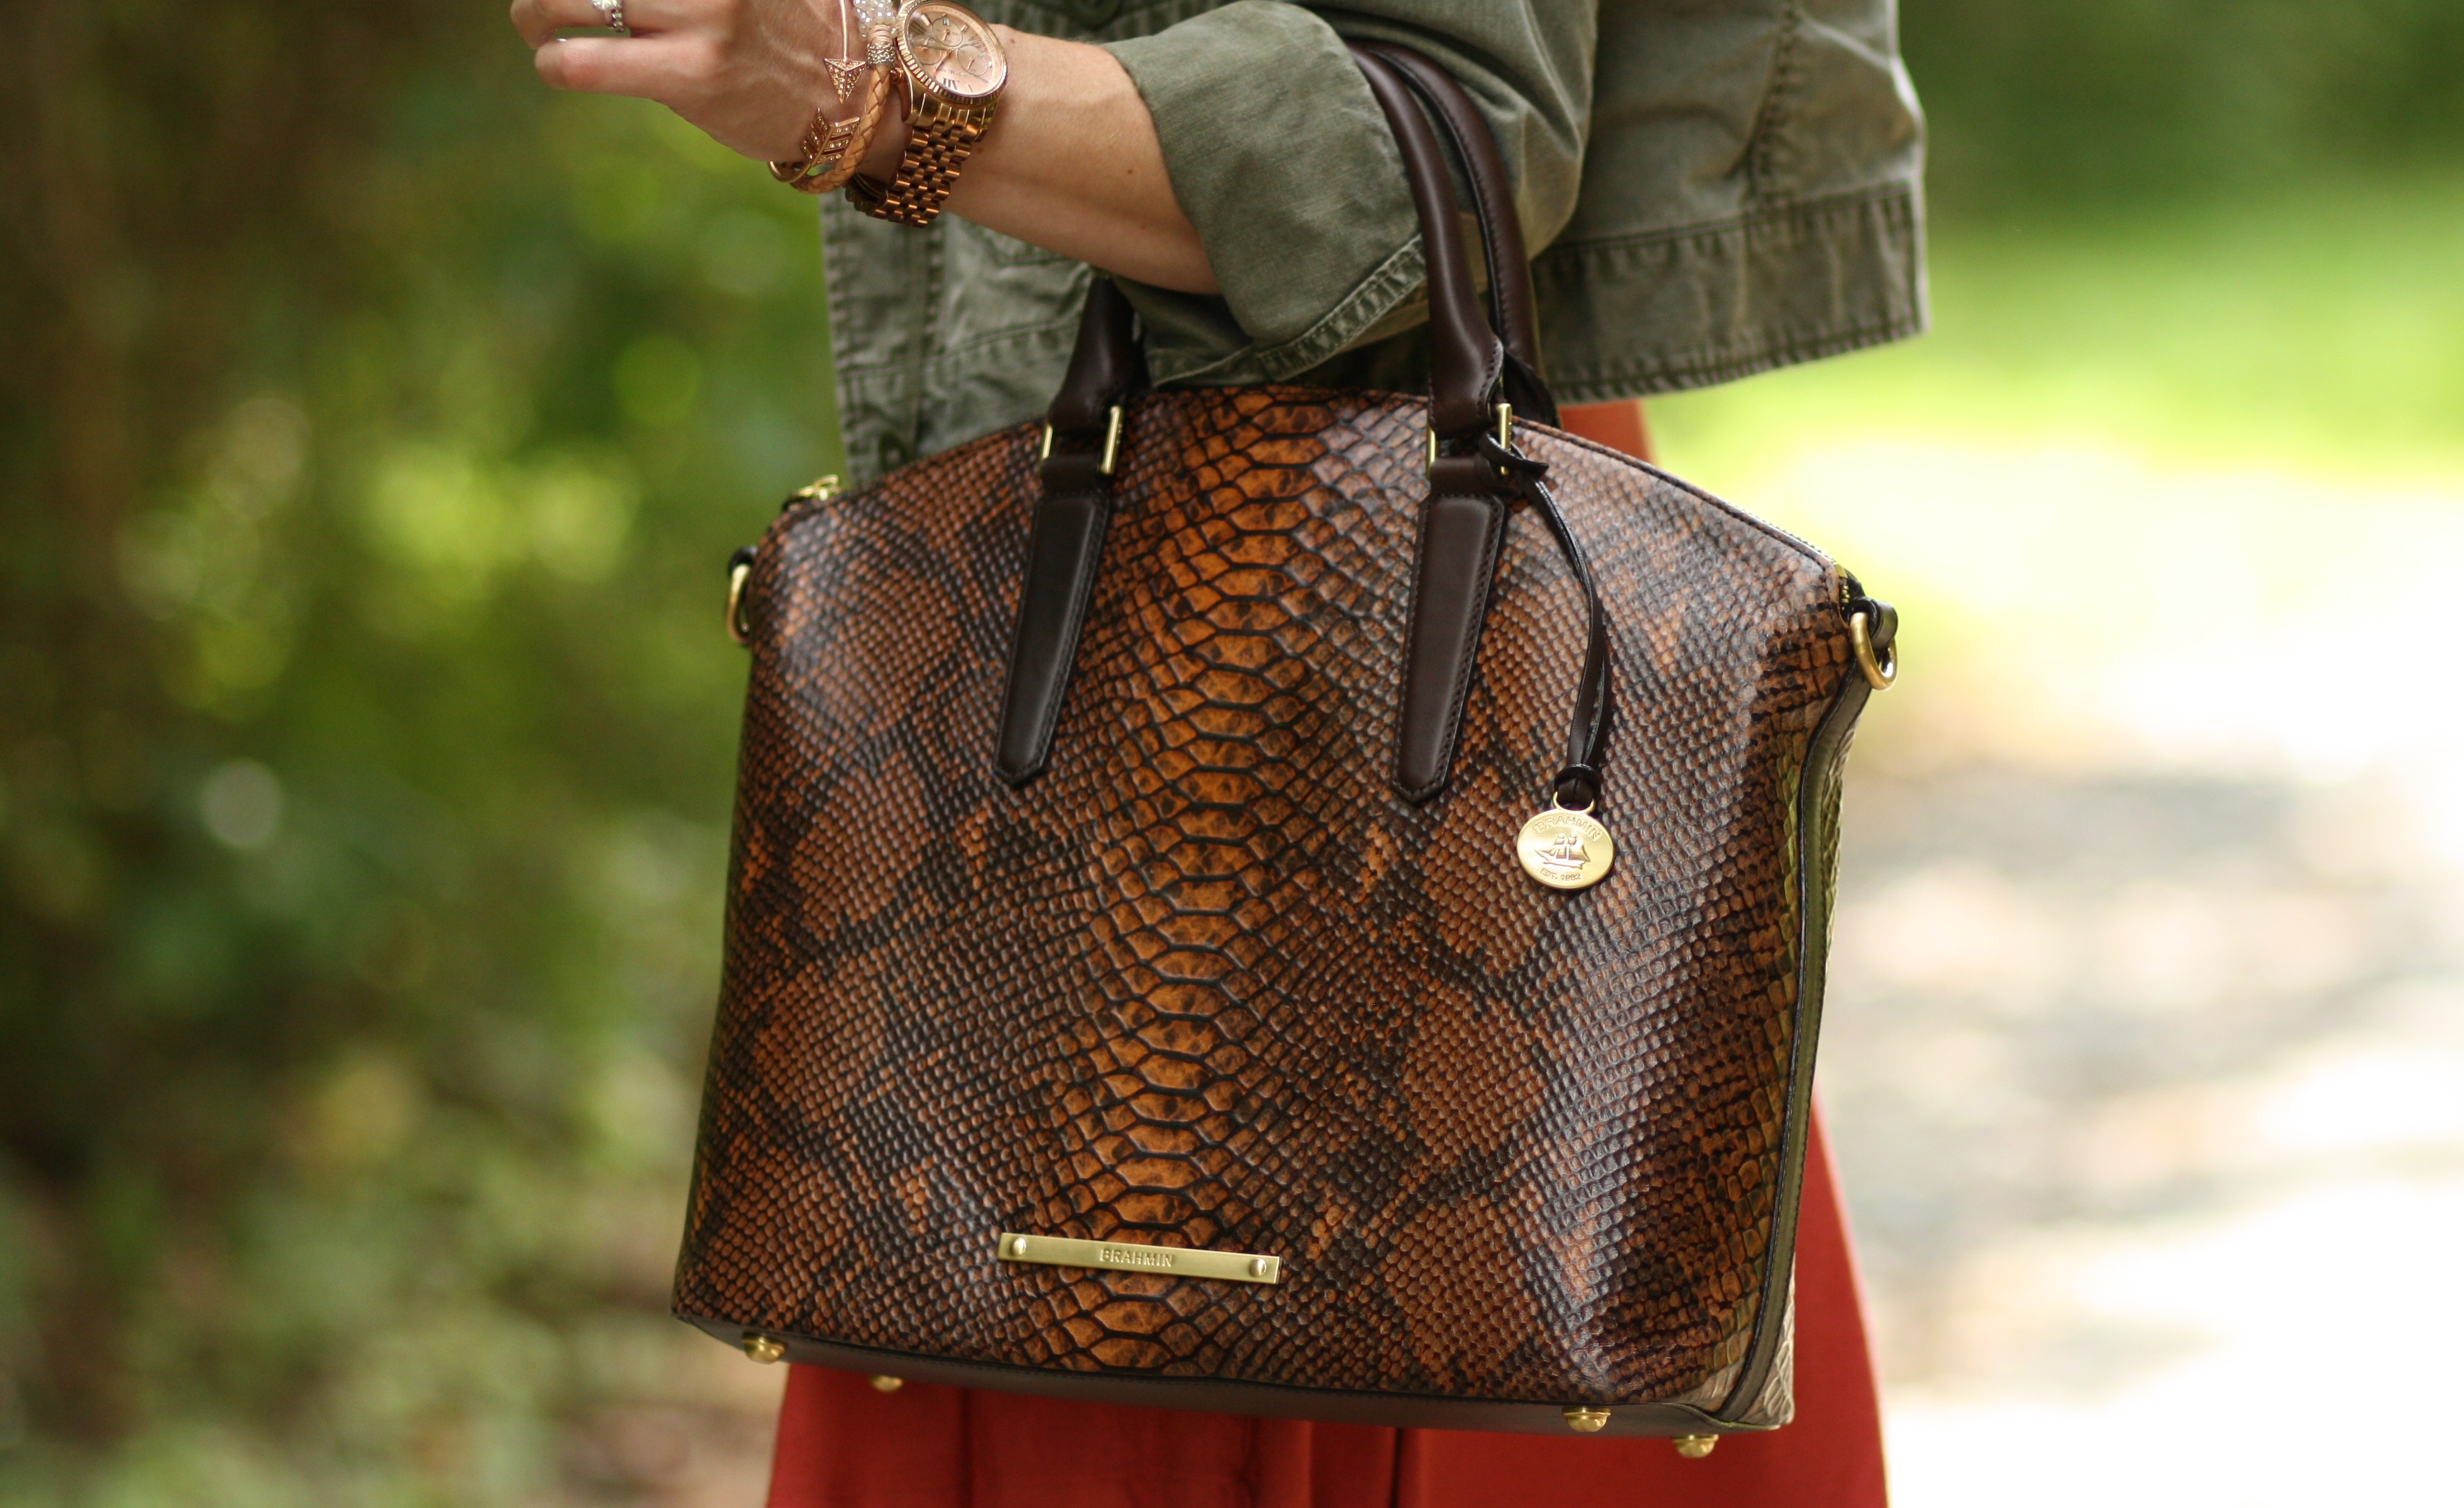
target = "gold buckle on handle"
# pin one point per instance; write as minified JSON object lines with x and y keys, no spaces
{"x":1505,"y":434}
{"x":1112,"y":442}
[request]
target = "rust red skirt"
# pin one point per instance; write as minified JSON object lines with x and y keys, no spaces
{"x":843,"y":1445}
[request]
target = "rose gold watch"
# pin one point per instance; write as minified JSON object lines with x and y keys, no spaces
{"x":953,"y":66}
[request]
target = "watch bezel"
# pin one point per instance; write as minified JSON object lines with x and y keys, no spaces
{"x":926,"y":83}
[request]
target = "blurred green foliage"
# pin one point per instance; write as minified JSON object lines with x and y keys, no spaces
{"x":2084,"y":102}
{"x":376,"y":426}
{"x":377,"y":429}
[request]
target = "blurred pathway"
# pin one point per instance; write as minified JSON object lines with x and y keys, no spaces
{"x":2146,"y":1051}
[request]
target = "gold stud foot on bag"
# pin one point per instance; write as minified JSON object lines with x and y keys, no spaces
{"x":1695,"y":1447}
{"x":762,"y":1349}
{"x":887,"y":1384}
{"x":1586,"y":1420}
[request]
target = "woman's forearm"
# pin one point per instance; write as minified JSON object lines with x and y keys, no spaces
{"x":1070,"y":164}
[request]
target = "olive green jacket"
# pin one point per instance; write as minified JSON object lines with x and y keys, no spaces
{"x":1714,"y":187}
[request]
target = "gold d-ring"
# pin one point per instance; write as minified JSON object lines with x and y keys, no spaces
{"x":1877,"y":675}
{"x":736,"y":627}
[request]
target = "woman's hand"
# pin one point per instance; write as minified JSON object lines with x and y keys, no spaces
{"x":748,"y":72}
{"x":1072,"y":163}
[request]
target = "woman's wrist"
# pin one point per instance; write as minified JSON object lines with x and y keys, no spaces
{"x":1072,"y":165}
{"x":888,"y":145}
{"x":889,"y":142}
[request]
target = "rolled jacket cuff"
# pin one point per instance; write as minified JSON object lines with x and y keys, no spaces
{"x":1283,"y":161}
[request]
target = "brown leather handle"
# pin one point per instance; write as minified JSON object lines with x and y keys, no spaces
{"x":1465,"y":360}
{"x":1462,"y":525}
{"x":1464,"y":354}
{"x":1065,"y":543}
{"x":1510,"y":298}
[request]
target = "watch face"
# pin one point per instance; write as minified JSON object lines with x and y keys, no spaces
{"x":952,"y":51}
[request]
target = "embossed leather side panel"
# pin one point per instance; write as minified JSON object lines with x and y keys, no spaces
{"x":1209,"y":981}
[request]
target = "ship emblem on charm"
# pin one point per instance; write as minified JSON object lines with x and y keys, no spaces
{"x":1565,"y":850}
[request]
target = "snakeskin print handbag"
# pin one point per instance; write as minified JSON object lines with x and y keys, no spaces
{"x":1147,"y":978}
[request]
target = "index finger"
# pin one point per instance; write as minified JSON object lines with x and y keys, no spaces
{"x":662,"y":68}
{"x":540,"y":20}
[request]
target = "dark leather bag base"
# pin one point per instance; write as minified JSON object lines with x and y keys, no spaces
{"x":1208,"y":981}
{"x":1256,"y":1400}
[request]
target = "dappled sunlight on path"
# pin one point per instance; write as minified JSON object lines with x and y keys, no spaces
{"x":2146,"y":1051}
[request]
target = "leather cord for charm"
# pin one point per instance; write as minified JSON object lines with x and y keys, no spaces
{"x":1065,"y":544}
{"x":1577,"y":785}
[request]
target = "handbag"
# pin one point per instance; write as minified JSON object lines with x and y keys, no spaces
{"x":1289,"y":902}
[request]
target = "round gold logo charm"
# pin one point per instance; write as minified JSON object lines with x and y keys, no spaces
{"x":1565,"y":850}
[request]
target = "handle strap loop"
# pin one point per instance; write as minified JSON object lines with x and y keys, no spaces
{"x":1483,"y":361}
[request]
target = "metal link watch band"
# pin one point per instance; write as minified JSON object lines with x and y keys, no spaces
{"x":953,"y":66}
{"x":938,"y":144}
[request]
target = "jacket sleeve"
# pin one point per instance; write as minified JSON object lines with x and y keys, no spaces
{"x":1282,"y":159}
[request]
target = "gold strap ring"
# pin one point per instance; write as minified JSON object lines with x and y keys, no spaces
{"x":1880,"y":673}
{"x":736,"y":627}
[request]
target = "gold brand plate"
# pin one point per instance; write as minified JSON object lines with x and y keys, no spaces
{"x":1130,"y":1257}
